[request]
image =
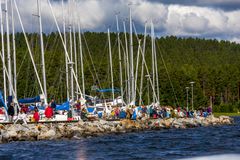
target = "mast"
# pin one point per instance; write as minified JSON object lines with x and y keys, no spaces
{"x":8,"y":51}
{"x":136,"y":72}
{"x":71,"y":62}
{"x":14,"y":55}
{"x":153,"y":60}
{"x":29,"y":49}
{"x":42,"y":52}
{"x":127,"y":64}
{"x":142,"y":67}
{"x":120,"y":58}
{"x":71,"y":50}
{"x":81,"y":59}
{"x":65,"y":43}
{"x":156,"y":69}
{"x":131,"y":62}
{"x":3,"y":55}
{"x":110,"y":58}
{"x":75,"y":57}
{"x":64,"y":46}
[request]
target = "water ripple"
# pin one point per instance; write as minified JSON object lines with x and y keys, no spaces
{"x":162,"y":144}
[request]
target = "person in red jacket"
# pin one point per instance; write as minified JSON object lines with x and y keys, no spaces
{"x":36,"y":115}
{"x":49,"y":112}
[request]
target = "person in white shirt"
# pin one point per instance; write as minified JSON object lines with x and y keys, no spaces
{"x":21,"y":116}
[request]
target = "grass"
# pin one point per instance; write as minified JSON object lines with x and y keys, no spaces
{"x":226,"y":114}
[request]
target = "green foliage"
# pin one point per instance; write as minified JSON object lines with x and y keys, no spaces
{"x":214,"y":67}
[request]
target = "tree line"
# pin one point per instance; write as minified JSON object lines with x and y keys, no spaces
{"x":213,"y":65}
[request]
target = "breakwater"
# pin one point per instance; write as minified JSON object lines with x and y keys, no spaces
{"x":54,"y":131}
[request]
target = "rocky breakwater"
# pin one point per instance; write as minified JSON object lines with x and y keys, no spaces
{"x":54,"y":131}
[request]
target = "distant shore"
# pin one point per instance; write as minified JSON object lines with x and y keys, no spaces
{"x":226,"y":114}
{"x":81,"y":129}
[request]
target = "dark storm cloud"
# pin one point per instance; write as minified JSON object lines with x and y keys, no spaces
{"x":226,"y":5}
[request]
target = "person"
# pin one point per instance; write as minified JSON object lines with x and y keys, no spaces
{"x":139,"y":115}
{"x":112,"y":114}
{"x":117,"y":112}
{"x":129,"y":113}
{"x":122,"y":114}
{"x":150,"y":111}
{"x":21,"y":116}
{"x":108,"y":111}
{"x":209,"y":110}
{"x":70,"y":115}
{"x":1,"y":111}
{"x":78,"y":107}
{"x":24,"y":108}
{"x":48,"y":112}
{"x":134,"y":114}
{"x":84,"y":114}
{"x":53,"y":104}
{"x":11,"y":112}
{"x":36,"y":115}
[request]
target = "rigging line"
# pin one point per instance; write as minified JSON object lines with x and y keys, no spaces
{"x":92,"y":63}
{"x":26,"y":84}
{"x":54,"y":47}
{"x":66,"y":52}
{"x":89,"y":53}
{"x":114,"y":50}
{"x":102,"y":59}
{"x":24,"y":58}
{"x":30,"y":52}
{"x":11,"y":85}
{"x":48,"y":37}
{"x":86,"y":59}
{"x":145,"y":62}
{"x":169,"y":78}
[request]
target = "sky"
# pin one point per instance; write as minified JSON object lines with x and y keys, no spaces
{"x":211,"y":19}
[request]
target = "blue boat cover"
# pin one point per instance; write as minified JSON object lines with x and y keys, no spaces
{"x":90,"y":109}
{"x":108,"y":90}
{"x":2,"y":101}
{"x":30,"y":100}
{"x":31,"y":108}
{"x":64,"y":106}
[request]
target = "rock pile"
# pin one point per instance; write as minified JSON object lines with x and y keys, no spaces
{"x":50,"y":131}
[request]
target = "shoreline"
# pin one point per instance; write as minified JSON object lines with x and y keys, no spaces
{"x":78,"y":130}
{"x":225,"y":114}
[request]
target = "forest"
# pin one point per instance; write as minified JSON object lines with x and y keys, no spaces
{"x":213,"y":65}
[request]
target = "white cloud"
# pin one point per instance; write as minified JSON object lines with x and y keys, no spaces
{"x":97,"y":15}
{"x":218,"y":1}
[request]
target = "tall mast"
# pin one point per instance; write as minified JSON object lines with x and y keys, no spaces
{"x":8,"y":51}
{"x":153,"y":60}
{"x":14,"y":55}
{"x":120,"y":58}
{"x":29,"y":49}
{"x":131,"y":61}
{"x":71,"y":51}
{"x":3,"y":55}
{"x":137,"y":63}
{"x":75,"y":46}
{"x":111,"y":67}
{"x":65,"y":43}
{"x":64,"y":46}
{"x":75,"y":56}
{"x":71,"y":62}
{"x":127,"y":64}
{"x":81,"y":59}
{"x":142,"y":67}
{"x":42,"y":52}
{"x":156,"y":69}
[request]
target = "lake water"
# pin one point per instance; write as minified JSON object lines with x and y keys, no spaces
{"x":210,"y":142}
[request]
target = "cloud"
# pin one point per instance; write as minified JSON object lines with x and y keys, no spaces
{"x":221,"y":4}
{"x":172,"y":18}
